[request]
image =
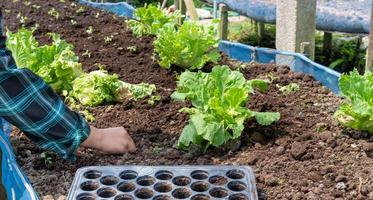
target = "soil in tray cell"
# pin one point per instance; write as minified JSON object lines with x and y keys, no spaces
{"x":306,"y":154}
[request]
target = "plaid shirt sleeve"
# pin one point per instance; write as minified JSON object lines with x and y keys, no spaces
{"x":27,"y":102}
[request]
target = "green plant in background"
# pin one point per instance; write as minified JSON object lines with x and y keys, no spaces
{"x":150,"y":20}
{"x":247,"y":32}
{"x":345,"y":54}
{"x":219,"y":106}
{"x":357,"y":111}
{"x":189,"y":47}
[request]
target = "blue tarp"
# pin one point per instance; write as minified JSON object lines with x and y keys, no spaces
{"x":349,"y":16}
{"x":14,"y":184}
{"x":121,"y":9}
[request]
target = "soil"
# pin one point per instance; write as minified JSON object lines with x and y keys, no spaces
{"x":306,"y":155}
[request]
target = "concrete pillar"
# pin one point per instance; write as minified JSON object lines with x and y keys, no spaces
{"x":223,"y":26}
{"x":369,"y":64}
{"x":295,"y":26}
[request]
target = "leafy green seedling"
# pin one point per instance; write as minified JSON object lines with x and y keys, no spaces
{"x":73,"y":22}
{"x":53,"y":12}
{"x":90,"y":30}
{"x":108,"y":39}
{"x":36,"y":7}
{"x":288,"y":89}
{"x":48,"y":160}
{"x":80,"y":10}
{"x":154,"y":99}
{"x":157,"y":150}
{"x":22,"y":18}
{"x":87,"y":53}
{"x":132,"y":48}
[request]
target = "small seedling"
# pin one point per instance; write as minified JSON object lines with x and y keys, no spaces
{"x":288,"y":89}
{"x":48,"y":161}
{"x":269,"y":76}
{"x":132,"y":48}
{"x":157,"y":150}
{"x":62,"y":1}
{"x":27,"y":3}
{"x":80,"y":10}
{"x":154,"y":99}
{"x":87,"y":53}
{"x":73,"y":22}
{"x":53,"y":12}
{"x":321,"y":127}
{"x":90,"y":30}
{"x":21,"y":18}
{"x":36,"y":7}
{"x":36,"y":26}
{"x":108,"y":39}
{"x":97,"y":15}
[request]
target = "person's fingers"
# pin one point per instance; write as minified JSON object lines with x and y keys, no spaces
{"x":131,"y":145}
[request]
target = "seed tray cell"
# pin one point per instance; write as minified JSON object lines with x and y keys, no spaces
{"x":164,"y":183}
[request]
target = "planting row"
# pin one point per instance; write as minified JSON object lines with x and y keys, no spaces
{"x":218,"y":98}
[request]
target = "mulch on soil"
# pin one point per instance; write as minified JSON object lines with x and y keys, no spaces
{"x":306,"y":155}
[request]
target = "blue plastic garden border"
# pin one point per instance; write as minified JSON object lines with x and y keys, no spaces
{"x":15,"y":184}
{"x":247,"y":53}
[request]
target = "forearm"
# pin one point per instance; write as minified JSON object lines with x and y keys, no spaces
{"x":29,"y":103}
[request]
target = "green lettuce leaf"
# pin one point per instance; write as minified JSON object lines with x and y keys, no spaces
{"x":150,"y":20}
{"x":219,"y":106}
{"x":55,"y":63}
{"x":357,"y":111}
{"x":189,"y":47}
{"x":99,"y":87}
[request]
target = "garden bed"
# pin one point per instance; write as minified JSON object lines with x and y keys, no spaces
{"x":305,"y":155}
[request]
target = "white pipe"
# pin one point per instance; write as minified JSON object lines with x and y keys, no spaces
{"x":215,"y":9}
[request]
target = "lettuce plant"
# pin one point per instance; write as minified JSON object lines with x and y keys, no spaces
{"x":56,"y":63}
{"x":219,"y":106}
{"x":99,"y":87}
{"x":150,"y":20}
{"x":357,"y":111}
{"x":189,"y":47}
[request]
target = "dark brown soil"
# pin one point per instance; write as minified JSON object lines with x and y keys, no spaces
{"x":305,"y":155}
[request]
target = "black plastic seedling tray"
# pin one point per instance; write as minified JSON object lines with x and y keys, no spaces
{"x":164,"y":183}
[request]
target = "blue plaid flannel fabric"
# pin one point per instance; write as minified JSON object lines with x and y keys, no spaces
{"x":28,"y":103}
